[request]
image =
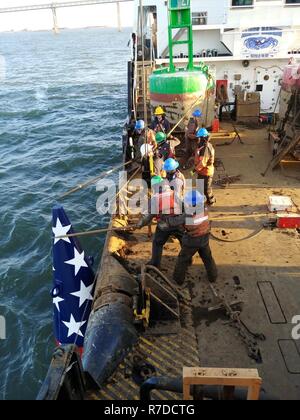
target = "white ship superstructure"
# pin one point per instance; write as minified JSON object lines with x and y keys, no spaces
{"x":246,"y":43}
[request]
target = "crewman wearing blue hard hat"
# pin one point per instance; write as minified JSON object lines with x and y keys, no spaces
{"x":175,"y":178}
{"x":139,"y":136}
{"x":204,"y":163}
{"x":196,"y":238}
{"x":197,"y":113}
{"x":166,"y":203}
{"x":164,"y":207}
{"x":140,"y":126}
{"x":195,"y":221}
{"x":190,"y":134}
{"x":171,"y":165}
{"x":194,"y":198}
{"x":202,"y":133}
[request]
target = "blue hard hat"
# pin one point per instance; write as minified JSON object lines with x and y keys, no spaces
{"x":140,"y":125}
{"x":197,"y":113}
{"x":194,"y":198}
{"x":202,"y":132}
{"x":170,"y":165}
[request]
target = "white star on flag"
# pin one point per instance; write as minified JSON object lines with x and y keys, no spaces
{"x":60,"y":230}
{"x":56,"y":302}
{"x":84,"y":293}
{"x":74,"y":327}
{"x":77,"y":261}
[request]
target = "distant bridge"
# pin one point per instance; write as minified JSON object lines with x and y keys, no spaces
{"x":55,"y":5}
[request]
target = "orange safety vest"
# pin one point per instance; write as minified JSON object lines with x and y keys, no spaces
{"x":200,"y":225}
{"x":163,"y":204}
{"x":204,"y":160}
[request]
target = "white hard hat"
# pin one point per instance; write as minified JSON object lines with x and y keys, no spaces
{"x":146,"y":149}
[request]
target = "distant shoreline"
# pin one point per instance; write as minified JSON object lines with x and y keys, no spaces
{"x":12,"y":31}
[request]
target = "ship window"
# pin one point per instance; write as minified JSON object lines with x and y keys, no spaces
{"x":292,"y":1}
{"x":199,"y":18}
{"x":239,"y":3}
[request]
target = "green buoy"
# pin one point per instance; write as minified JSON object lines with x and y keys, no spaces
{"x":177,"y":89}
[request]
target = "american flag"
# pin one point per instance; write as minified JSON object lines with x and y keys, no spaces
{"x":73,"y":286}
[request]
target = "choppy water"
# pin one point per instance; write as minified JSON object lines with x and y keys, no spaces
{"x":62,"y":107}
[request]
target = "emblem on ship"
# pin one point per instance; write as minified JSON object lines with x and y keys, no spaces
{"x":260,"y":43}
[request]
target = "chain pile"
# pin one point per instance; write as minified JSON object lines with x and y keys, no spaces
{"x":249,"y":338}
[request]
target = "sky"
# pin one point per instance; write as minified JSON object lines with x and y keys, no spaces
{"x":70,"y":17}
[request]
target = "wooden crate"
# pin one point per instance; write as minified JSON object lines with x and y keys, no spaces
{"x":248,"y":378}
{"x":248,"y":107}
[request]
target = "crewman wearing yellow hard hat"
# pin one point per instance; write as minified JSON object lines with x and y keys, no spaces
{"x":160,"y":122}
{"x":159,"y":111}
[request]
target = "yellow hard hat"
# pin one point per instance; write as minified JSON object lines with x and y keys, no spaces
{"x":159,"y":111}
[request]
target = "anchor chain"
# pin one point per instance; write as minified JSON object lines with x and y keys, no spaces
{"x":249,"y":338}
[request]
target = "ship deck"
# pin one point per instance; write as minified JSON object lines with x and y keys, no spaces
{"x":262,"y":271}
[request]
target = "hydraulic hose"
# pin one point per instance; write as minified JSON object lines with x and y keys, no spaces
{"x":208,"y":392}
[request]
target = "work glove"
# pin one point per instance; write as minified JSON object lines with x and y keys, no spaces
{"x":132,"y":228}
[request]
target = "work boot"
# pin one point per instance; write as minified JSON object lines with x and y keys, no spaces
{"x":212,"y":273}
{"x":212,"y":279}
{"x":211,"y":266}
{"x":179,"y":277}
{"x":178,"y":281}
